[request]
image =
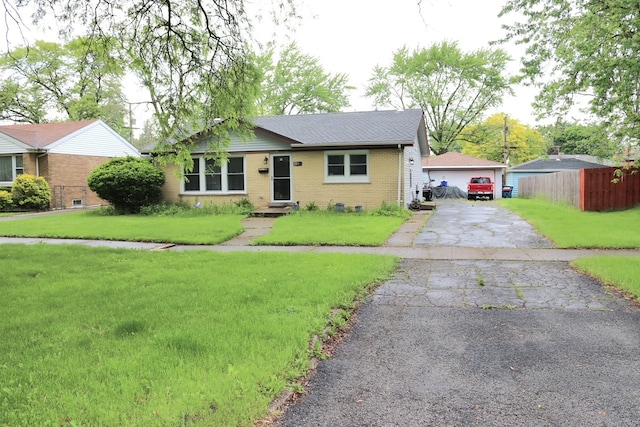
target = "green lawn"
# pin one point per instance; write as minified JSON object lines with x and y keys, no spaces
{"x":95,"y":336}
{"x":330,"y":228}
{"x":180,"y":229}
{"x":622,"y":272}
{"x":569,"y":227}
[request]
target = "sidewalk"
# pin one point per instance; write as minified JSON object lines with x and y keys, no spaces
{"x":403,"y":244}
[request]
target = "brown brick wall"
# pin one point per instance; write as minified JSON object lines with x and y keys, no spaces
{"x":71,"y":172}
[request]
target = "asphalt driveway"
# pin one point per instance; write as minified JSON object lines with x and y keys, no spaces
{"x":481,"y":342}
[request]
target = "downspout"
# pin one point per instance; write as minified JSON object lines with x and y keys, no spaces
{"x":38,"y":163}
{"x":400,"y":176}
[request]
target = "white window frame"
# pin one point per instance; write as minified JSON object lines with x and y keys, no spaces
{"x":15,"y":170}
{"x":347,"y":177}
{"x":224,"y":175}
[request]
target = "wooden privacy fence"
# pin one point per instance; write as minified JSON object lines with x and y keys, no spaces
{"x":559,"y":187}
{"x":587,"y":189}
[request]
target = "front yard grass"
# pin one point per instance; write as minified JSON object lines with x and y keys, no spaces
{"x":331,"y":228}
{"x":569,"y":227}
{"x":112,"y":337}
{"x":622,"y":272}
{"x":192,"y":229}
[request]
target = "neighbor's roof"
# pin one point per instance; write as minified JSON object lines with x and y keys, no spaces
{"x":42,"y":134}
{"x":555,"y":164}
{"x":345,"y":128}
{"x":454,"y":160}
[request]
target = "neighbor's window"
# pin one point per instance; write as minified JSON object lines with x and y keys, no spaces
{"x":207,"y":177}
{"x":10,"y":168}
{"x":347,"y":166}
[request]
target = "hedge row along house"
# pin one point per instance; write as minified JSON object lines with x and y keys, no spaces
{"x":359,"y":159}
{"x":63,"y":153}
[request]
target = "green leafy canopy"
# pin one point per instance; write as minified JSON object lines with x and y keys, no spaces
{"x":581,"y":49}
{"x":453,"y":88}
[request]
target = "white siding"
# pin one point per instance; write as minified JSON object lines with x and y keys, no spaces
{"x":413,"y":174}
{"x":10,"y":146}
{"x":94,"y":140}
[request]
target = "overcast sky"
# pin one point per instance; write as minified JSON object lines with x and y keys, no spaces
{"x":353,"y":36}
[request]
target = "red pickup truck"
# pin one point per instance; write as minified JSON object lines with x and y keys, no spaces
{"x":480,"y":186}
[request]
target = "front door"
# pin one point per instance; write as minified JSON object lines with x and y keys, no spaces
{"x":281,"y":178}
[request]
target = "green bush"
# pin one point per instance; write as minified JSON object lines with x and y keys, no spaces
{"x":391,"y":209}
{"x":128,"y":183}
{"x":31,"y":192}
{"x":6,"y":202}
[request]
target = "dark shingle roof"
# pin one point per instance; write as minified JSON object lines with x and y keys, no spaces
{"x":344,"y":128}
{"x":555,"y":164}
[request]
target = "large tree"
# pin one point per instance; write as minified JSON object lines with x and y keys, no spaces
{"x":575,"y":138}
{"x":296,"y":83}
{"x":581,"y":47}
{"x":190,"y":55}
{"x":503,"y":139}
{"x":76,"y":81}
{"x":452,"y":87}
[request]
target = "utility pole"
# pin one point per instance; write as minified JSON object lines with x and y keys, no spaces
{"x":505,"y":149}
{"x":131,"y":119}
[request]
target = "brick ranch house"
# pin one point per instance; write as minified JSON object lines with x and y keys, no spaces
{"x":63,"y":153}
{"x":357,"y":158}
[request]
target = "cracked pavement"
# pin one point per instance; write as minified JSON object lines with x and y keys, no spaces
{"x":481,"y":342}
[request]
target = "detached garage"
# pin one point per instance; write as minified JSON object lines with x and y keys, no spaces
{"x":456,"y":169}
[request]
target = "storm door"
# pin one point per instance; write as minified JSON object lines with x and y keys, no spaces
{"x":281,"y":178}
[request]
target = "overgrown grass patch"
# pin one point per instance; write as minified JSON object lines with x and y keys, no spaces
{"x":622,"y":272}
{"x":569,"y":227}
{"x":96,"y":336}
{"x":191,"y":227}
{"x":331,"y":228}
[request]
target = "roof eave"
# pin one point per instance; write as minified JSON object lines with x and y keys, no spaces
{"x":377,"y":144}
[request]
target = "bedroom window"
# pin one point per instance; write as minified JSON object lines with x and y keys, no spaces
{"x":207,"y":177}
{"x":347,"y":166}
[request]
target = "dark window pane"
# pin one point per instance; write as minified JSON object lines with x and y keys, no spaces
{"x":6,"y":173}
{"x":282,"y":189}
{"x":213,"y":182}
{"x":192,"y":179}
{"x":236,"y":165}
{"x":335,"y":165}
{"x":281,"y":166}
{"x":236,"y":182}
{"x":358,"y":164}
{"x":210,"y":167}
{"x":192,"y":183}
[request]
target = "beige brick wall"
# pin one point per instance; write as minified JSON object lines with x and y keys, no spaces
{"x":308,"y":183}
{"x":257,"y":191}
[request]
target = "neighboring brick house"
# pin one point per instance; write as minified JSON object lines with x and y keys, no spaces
{"x":356,"y":158}
{"x":63,"y":153}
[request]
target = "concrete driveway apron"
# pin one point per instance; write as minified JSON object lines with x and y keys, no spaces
{"x":481,"y":343}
